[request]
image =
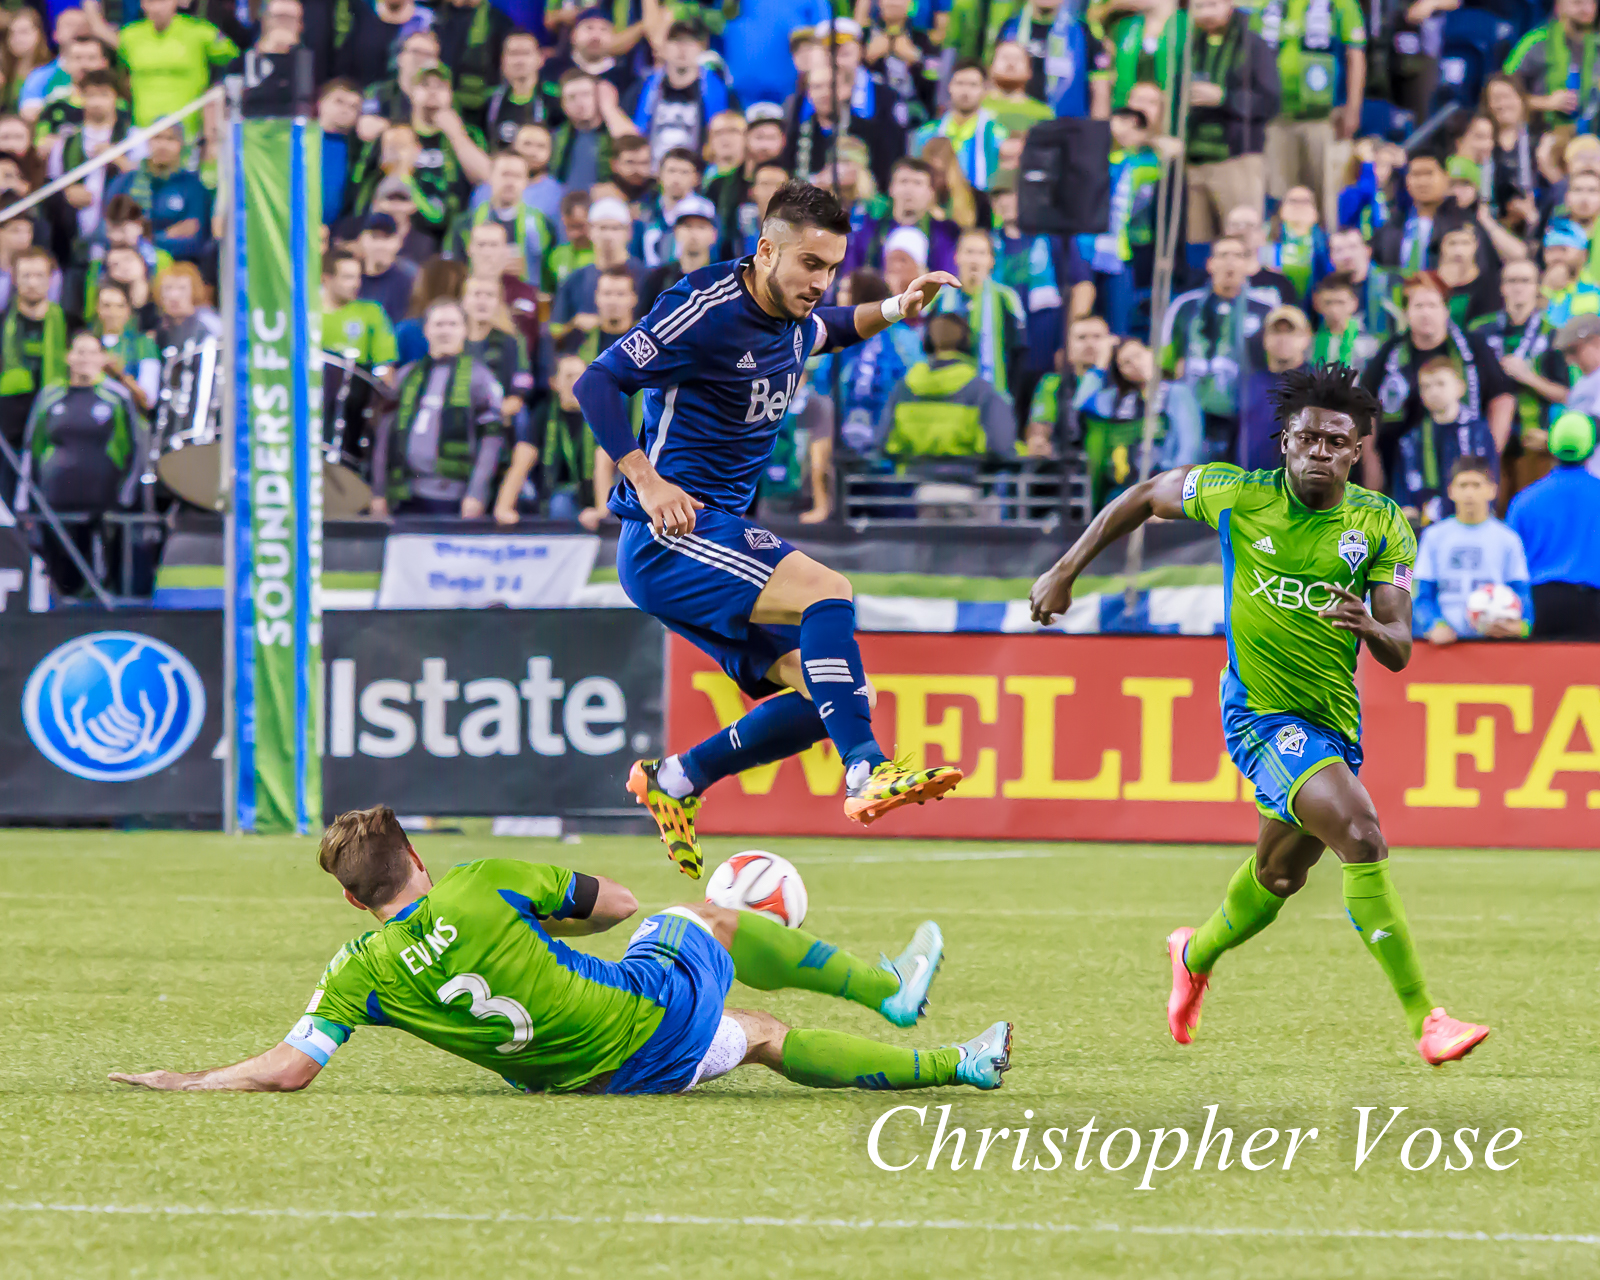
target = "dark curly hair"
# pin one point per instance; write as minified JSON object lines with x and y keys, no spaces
{"x":1334,"y":387}
{"x":800,"y":204}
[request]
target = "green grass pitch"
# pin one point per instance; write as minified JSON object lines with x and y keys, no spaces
{"x":136,"y":951}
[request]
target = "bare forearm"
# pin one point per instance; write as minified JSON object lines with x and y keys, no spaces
{"x":1390,"y":643}
{"x":281,"y":1069}
{"x":869,"y":320}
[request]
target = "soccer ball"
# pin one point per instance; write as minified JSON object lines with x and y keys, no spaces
{"x":1493,"y":602}
{"x":761,"y":882}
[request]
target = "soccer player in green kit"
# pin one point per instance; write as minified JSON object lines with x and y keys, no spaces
{"x":474,"y":965}
{"x":1301,"y":549}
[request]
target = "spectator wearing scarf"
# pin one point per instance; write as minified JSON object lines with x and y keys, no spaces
{"x":911,"y":204}
{"x":1392,"y":376}
{"x":472,"y":34}
{"x":438,"y":450}
{"x":1145,"y":47}
{"x":1071,"y":69}
{"x":1211,"y":341}
{"x":1296,"y":244}
{"x":993,"y":313}
{"x":1430,"y":450}
{"x":1555,"y":65}
{"x":1521,"y":335}
{"x":1113,"y":418}
{"x":970,"y":127}
{"x":1341,"y":338}
{"x":1411,"y":244}
{"x":1513,"y":181}
{"x":876,"y":115}
{"x":1135,"y":183}
{"x":1233,"y":94}
{"x":1322,"y":67}
{"x":1376,"y":288}
{"x":33,"y":350}
{"x":673,"y":106}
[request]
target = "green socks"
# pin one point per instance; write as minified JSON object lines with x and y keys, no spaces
{"x":1375,"y":910}
{"x":768,"y":956}
{"x":833,"y":1060}
{"x":1245,"y":911}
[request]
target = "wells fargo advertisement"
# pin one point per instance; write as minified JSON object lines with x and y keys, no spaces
{"x":1118,"y":738}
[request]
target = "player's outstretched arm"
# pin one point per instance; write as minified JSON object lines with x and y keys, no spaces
{"x":1160,"y":495}
{"x":281,"y":1069}
{"x":610,"y":904}
{"x":1386,"y":630}
{"x":846,"y":326}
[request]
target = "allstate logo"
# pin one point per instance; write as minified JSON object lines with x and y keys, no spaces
{"x":113,"y":706}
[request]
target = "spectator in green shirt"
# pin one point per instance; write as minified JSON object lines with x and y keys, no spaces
{"x":1008,"y":99}
{"x":1322,"y":67}
{"x":352,"y":327}
{"x":171,"y":58}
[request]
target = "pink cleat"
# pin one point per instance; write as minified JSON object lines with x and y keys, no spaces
{"x":1188,"y":990}
{"x":1444,"y":1039}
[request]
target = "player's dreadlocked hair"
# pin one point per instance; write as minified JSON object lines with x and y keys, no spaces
{"x":1334,"y":387}
{"x":800,"y":204}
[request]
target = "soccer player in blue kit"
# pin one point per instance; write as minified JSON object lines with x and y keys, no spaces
{"x":718,"y":360}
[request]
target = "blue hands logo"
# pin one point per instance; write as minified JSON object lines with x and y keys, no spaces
{"x":113,"y":706}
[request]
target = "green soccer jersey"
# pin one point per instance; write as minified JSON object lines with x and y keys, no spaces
{"x":360,"y":331}
{"x":1279,"y":559}
{"x":470,"y":969}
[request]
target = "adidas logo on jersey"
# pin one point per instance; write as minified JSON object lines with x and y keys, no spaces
{"x":1265,"y":545}
{"x":749,"y":362}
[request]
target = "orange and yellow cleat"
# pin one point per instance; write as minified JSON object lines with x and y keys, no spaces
{"x":674,"y":818}
{"x":1445,"y":1039}
{"x":1188,"y":989}
{"x":894,"y":783}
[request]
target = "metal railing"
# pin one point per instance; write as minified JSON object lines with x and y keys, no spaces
{"x":929,"y":492}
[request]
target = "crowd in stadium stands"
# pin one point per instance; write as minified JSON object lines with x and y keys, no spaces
{"x":506,"y":191}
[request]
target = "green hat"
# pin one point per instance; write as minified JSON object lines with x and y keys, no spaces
{"x":1572,"y":438}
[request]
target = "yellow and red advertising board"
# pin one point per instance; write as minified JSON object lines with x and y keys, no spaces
{"x":1119,"y":738}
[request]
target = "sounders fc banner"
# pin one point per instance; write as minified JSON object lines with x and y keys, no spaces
{"x":277,"y":478}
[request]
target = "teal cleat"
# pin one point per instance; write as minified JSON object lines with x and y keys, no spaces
{"x":915,"y":967}
{"x":986,"y":1058}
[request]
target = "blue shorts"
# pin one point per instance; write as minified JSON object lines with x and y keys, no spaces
{"x":704,"y":585}
{"x":699,"y":973}
{"x":1279,"y":752}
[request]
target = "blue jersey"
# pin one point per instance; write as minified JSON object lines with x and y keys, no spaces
{"x":717,"y":374}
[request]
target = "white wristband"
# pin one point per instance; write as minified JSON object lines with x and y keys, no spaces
{"x":893,"y":310}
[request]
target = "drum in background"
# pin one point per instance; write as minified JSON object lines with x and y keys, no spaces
{"x":187,"y":435}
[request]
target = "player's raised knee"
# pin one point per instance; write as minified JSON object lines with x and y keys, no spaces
{"x":1364,"y":842}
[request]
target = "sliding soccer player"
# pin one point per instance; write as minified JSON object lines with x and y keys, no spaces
{"x":1302,"y":548}
{"x":719,"y":360}
{"x":473,"y":965}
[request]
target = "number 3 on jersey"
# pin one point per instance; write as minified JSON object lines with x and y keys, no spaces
{"x":485,"y":1005}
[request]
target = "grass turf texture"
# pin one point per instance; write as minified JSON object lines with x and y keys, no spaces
{"x":136,"y":951}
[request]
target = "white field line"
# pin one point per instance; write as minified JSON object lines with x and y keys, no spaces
{"x":799,"y":1224}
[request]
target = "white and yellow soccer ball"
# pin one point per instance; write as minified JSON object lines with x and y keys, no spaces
{"x":1493,"y":602}
{"x":758,"y":881}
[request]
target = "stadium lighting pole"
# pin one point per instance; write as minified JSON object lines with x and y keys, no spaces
{"x":233,"y":118}
{"x":1169,"y":192}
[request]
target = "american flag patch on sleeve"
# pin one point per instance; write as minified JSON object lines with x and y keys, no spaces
{"x":1402,"y":576}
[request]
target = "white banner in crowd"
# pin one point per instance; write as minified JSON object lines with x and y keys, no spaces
{"x":517,"y":571}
